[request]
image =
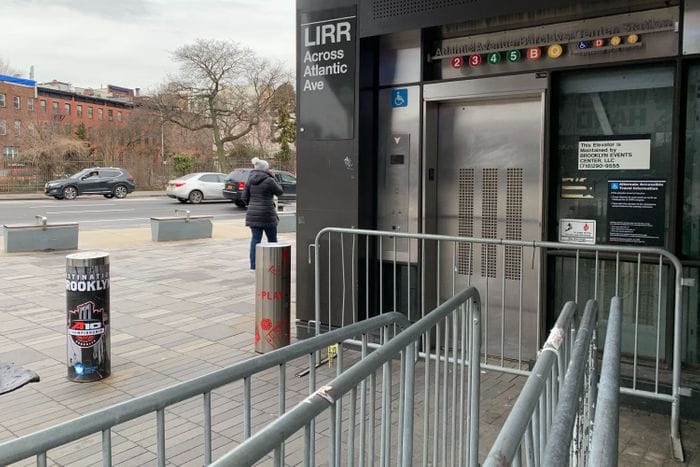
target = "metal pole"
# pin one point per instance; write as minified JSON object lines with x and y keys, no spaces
{"x":606,"y":425}
{"x":556,"y":453}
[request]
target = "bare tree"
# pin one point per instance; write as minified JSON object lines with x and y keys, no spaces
{"x":222,"y":88}
{"x":52,"y":152}
{"x":6,"y":69}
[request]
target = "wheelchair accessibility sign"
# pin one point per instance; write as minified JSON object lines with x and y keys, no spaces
{"x":399,"y":97}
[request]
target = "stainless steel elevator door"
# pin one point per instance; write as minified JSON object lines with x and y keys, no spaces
{"x":489,"y":185}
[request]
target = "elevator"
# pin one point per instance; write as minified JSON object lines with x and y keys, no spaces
{"x":483,"y":177}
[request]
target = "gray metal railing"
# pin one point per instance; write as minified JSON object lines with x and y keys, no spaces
{"x":606,"y":429}
{"x":345,"y":263}
{"x":103,"y":421}
{"x":530,"y":419}
{"x":447,"y":405}
{"x":573,"y":415}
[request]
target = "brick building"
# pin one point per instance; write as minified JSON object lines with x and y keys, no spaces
{"x":26,"y":106}
{"x":18,"y":112}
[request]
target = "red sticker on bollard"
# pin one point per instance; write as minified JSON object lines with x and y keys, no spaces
{"x":278,"y":332}
{"x":266,"y":324}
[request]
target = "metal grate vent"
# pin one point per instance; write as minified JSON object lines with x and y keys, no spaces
{"x":466,"y":221}
{"x":489,"y":221}
{"x":514,"y":221}
{"x":391,"y":8}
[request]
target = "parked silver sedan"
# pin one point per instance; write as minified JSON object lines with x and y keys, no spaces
{"x":197,"y":187}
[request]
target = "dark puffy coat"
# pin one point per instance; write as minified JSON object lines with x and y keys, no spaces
{"x":258,"y":195}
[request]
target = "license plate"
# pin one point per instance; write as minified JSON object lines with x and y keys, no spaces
{"x":229,"y":187}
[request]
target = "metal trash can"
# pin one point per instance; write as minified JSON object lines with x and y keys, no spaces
{"x":272,"y":295}
{"x":87,"y":324}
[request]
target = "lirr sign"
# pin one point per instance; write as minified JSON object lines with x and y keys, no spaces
{"x":326,"y":71}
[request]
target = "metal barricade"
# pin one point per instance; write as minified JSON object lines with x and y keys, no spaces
{"x":530,"y":419}
{"x":345,"y":268}
{"x":450,"y":404}
{"x":606,"y":429}
{"x":573,"y":415}
{"x":106,"y":421}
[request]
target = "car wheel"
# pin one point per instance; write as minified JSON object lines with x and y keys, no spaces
{"x":109,"y":195}
{"x":195,"y":197}
{"x":240,"y":204}
{"x":182,"y":200}
{"x":70,"y":192}
{"x":120,"y":191}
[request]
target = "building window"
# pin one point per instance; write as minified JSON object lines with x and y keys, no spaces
{"x":66,"y":108}
{"x":42,"y":104}
{"x":31,"y":129}
{"x":99,"y":114}
{"x":10,"y":152}
{"x":54,"y":106}
{"x":17,"y":102}
{"x":3,"y":128}
{"x":2,"y":100}
{"x":18,"y":127}
{"x":79,"y":111}
{"x":109,"y":115}
{"x":30,"y":104}
{"x":90,"y":112}
{"x":119,"y":116}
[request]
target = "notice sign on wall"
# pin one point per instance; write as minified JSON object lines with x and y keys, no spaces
{"x":618,"y":154}
{"x":326,"y":74}
{"x":577,"y":231}
{"x":636,"y":212}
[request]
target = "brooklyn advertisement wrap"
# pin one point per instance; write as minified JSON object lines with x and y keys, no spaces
{"x":87,"y":323}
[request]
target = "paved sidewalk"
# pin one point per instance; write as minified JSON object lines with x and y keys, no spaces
{"x":183,"y":309}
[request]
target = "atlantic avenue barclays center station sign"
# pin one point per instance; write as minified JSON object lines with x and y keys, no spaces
{"x":327,"y":74}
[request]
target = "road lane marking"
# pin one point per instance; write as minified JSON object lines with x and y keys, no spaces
{"x":91,"y":211}
{"x":72,"y":205}
{"x":228,"y":216}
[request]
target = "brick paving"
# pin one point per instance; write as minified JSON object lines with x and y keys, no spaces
{"x":183,"y":309}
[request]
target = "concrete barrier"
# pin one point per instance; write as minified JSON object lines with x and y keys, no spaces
{"x":40,"y":236}
{"x":288,"y":221}
{"x":167,"y":229}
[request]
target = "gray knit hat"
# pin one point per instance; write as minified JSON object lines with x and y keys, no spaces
{"x":260,"y":164}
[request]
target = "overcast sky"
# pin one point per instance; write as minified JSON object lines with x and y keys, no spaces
{"x":92,"y":43}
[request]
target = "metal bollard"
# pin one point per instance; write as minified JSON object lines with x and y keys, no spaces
{"x":272,"y":295}
{"x":88,"y":316}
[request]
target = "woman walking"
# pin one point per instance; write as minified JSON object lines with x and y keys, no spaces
{"x":259,"y":195}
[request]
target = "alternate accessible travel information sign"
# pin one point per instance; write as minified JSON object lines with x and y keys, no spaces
{"x":636,"y":212}
{"x":327,"y":74}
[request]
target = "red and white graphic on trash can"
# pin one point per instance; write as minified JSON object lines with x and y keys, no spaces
{"x":278,"y":333}
{"x":85,"y":324}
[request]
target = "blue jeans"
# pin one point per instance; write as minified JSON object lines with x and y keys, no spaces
{"x":270,"y":233}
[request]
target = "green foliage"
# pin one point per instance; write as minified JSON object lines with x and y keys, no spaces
{"x":284,"y":124}
{"x":285,"y":132}
{"x":183,"y":163}
{"x":81,"y":132}
{"x":247,"y":151}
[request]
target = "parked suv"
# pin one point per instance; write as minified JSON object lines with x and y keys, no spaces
{"x":112,"y":182}
{"x":236,"y":180}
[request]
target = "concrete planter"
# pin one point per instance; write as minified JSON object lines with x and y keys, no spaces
{"x":40,"y":237}
{"x":167,"y":229}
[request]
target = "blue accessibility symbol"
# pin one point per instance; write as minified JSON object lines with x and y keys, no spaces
{"x":399,"y":97}
{"x":583,"y":45}
{"x":614,"y":186}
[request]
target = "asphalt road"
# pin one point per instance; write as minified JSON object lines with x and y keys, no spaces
{"x":97,"y":212}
